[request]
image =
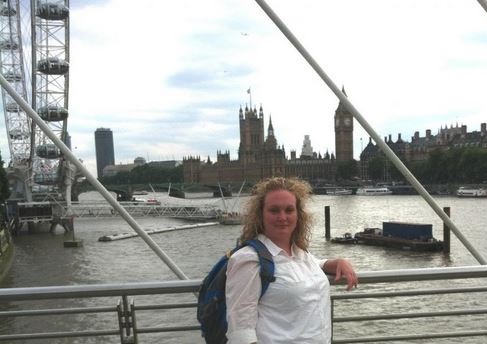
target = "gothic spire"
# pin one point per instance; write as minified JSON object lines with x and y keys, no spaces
{"x":341,"y":107}
{"x":270,"y":129}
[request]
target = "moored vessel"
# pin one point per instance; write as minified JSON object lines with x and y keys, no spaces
{"x":373,"y":191}
{"x":402,"y":235}
{"x":346,"y":238}
{"x":471,"y":192}
{"x":339,"y":192}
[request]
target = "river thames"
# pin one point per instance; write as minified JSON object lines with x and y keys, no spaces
{"x":42,"y":260}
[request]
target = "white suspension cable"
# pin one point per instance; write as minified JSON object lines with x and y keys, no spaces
{"x":483,"y":3}
{"x":96,"y":184}
{"x":383,"y":146}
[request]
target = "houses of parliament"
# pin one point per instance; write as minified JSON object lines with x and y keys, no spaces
{"x":260,"y":156}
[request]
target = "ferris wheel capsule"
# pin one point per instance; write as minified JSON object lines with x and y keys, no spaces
{"x":48,"y":151}
{"x":17,"y":134}
{"x":52,"y":113}
{"x":12,"y":107}
{"x":7,"y":11}
{"x":52,"y":11}
{"x":48,"y":178}
{"x":53,"y":66}
{"x":11,"y":76}
{"x":8,"y":44}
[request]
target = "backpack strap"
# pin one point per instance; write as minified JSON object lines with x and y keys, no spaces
{"x":265,"y":261}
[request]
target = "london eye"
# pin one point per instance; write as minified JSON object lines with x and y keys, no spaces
{"x":38,"y":29}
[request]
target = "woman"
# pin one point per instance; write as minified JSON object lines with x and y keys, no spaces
{"x":296,"y":306}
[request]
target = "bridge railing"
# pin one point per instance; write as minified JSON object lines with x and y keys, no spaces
{"x":407,"y":313}
{"x":32,"y":211}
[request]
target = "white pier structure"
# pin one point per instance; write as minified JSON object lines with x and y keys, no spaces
{"x":103,"y":209}
{"x":48,"y":211}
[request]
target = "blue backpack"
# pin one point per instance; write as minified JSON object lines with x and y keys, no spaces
{"x":212,"y":309}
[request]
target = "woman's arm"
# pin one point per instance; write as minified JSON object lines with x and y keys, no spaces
{"x":243,"y":289}
{"x":341,"y":268}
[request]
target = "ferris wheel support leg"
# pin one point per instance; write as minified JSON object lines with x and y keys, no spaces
{"x":70,"y":174}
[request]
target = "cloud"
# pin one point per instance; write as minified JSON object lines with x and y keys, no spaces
{"x":169,"y":78}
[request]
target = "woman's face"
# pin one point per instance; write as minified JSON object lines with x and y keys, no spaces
{"x":280,"y":215}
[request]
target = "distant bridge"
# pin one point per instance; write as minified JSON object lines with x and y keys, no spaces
{"x":59,"y":213}
{"x":125,"y":192}
{"x":103,"y":209}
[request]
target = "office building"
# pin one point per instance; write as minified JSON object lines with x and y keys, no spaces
{"x":105,"y":154}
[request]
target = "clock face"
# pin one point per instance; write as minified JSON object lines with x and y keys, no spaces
{"x":348,"y":122}
{"x":337,"y":122}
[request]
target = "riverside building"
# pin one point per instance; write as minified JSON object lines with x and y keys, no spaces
{"x":260,"y":156}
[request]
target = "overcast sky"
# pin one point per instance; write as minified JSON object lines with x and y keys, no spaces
{"x":168,"y":77}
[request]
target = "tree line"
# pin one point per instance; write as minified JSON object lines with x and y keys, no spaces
{"x":146,"y":174}
{"x":456,"y":165}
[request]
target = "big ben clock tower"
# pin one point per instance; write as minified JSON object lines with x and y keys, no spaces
{"x":343,"y":133}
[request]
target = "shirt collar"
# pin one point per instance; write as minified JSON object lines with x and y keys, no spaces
{"x":275,"y":250}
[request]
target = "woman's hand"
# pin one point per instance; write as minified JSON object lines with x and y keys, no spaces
{"x":342,"y":268}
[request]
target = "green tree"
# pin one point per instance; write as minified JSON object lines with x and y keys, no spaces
{"x":376,"y":167}
{"x":347,"y":170}
{"x":457,"y":165}
{"x":4,"y":187}
{"x":146,"y":174}
{"x":472,"y":164}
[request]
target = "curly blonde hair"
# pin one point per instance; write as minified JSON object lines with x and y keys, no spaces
{"x":253,"y":222}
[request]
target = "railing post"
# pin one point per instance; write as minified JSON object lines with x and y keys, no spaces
{"x":126,"y":322}
{"x":332,"y":317}
{"x":134,"y":322}
{"x":327,"y":222}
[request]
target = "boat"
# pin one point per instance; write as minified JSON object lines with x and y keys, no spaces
{"x":339,"y":192}
{"x":231,"y":218}
{"x":152,"y":201}
{"x":471,"y":192}
{"x":401,"y":235}
{"x":373,"y":191}
{"x":347,"y":238}
{"x":149,"y":201}
{"x":140,"y":192}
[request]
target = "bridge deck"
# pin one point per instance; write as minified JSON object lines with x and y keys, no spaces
{"x":135,"y":209}
{"x":102,"y":209}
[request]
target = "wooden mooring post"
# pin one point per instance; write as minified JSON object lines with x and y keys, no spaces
{"x":327,"y":222}
{"x":446,"y":233}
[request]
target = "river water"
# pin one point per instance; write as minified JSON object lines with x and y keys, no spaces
{"x":42,"y":260}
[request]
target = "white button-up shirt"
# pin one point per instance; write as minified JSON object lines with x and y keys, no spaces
{"x":295,"y":307}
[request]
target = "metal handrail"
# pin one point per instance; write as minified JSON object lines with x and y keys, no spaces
{"x":123,"y":290}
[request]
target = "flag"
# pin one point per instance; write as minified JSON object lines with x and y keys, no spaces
{"x":248,"y":91}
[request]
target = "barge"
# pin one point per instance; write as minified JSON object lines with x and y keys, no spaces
{"x":347,"y":238}
{"x":401,"y":235}
{"x":471,"y":192}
